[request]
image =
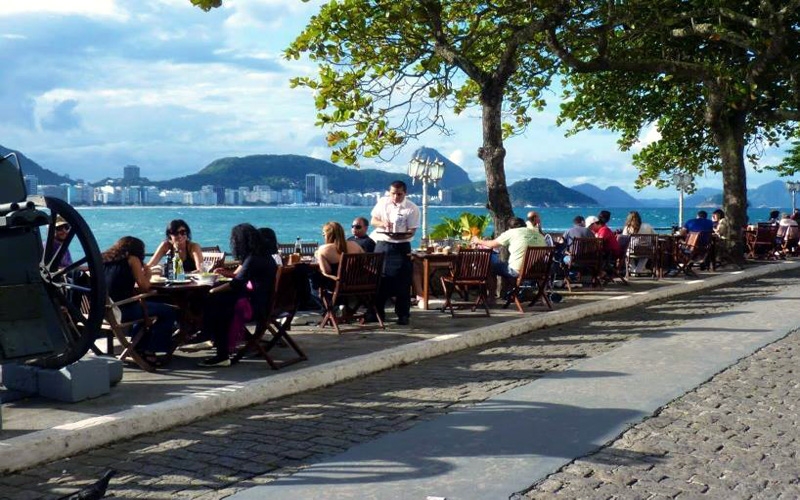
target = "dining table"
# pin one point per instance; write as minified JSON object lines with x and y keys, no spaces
{"x":424,"y":265}
{"x":188,"y":296}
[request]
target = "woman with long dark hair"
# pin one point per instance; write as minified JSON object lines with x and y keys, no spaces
{"x":254,"y":280}
{"x":124,"y":270}
{"x":271,"y":242}
{"x":178,"y":241}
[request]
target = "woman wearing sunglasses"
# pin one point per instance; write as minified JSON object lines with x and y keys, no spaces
{"x":179,"y":242}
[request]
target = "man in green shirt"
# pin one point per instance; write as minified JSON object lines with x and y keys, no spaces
{"x":518,"y":238}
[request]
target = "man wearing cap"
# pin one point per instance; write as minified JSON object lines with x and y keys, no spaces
{"x":600,"y":230}
{"x":360,"y":236}
{"x":62,"y":230}
{"x":395,"y":220}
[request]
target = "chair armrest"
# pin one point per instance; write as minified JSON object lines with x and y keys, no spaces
{"x":130,"y":300}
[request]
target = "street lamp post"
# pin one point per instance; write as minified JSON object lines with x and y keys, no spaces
{"x":426,"y":170}
{"x":793,"y":187}
{"x":682,"y":181}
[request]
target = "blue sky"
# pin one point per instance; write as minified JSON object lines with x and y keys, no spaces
{"x":89,"y":86}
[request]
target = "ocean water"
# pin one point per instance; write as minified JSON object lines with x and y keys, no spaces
{"x":211,"y":225}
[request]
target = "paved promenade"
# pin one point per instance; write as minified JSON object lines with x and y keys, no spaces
{"x":750,"y":406}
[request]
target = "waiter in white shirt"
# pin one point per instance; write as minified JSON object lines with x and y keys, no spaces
{"x":395,"y":220}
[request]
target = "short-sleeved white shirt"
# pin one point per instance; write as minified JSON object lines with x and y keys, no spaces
{"x":387,"y":211}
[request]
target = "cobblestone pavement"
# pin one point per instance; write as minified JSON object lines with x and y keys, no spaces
{"x":218,"y":456}
{"x":734,"y":437}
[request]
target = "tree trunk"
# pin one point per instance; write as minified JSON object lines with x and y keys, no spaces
{"x":493,"y":155}
{"x":728,"y":132}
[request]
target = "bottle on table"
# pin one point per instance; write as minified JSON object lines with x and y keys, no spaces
{"x":298,"y":247}
{"x":168,"y":267}
{"x":179,"y":274}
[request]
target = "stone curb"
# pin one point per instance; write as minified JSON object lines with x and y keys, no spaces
{"x":61,"y":441}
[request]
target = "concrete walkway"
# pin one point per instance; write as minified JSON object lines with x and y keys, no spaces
{"x":501,"y":446}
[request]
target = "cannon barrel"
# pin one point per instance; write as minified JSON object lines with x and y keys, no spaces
{"x":15,"y":205}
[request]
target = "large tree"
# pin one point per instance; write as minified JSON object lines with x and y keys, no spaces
{"x":719,"y":78}
{"x":388,"y":70}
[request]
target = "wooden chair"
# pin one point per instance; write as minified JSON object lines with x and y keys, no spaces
{"x":763,"y":244}
{"x":641,"y":246}
{"x":695,"y":250}
{"x":535,"y":273}
{"x":470,"y":270}
{"x":585,"y":256}
{"x":213,"y":257}
{"x":114,"y":328}
{"x":357,"y":282}
{"x":277,"y":320}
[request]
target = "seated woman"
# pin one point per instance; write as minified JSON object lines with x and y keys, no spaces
{"x":271,"y":240}
{"x":253,"y":281}
{"x":634,"y":225}
{"x":124,"y":270}
{"x":330,"y":254}
{"x":178,"y":241}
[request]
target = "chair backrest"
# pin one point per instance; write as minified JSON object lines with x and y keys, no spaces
{"x":537,"y":263}
{"x":643,"y":245}
{"x":765,"y":233}
{"x":586,"y":252}
{"x":307,"y":249}
{"x":359,"y":273}
{"x":212,"y":258}
{"x":284,"y":300}
{"x":472,"y":265}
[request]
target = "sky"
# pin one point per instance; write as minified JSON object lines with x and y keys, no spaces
{"x":89,"y":86}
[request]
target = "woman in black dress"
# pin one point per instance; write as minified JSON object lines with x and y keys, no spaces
{"x":254,"y":279}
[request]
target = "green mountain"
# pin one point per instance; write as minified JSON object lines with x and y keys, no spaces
{"x":30,"y":167}
{"x":547,"y":193}
{"x":289,"y":171}
{"x":454,"y":176}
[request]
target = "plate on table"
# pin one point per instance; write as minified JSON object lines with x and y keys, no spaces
{"x":158,"y":279}
{"x":223,"y":279}
{"x":180,"y":282}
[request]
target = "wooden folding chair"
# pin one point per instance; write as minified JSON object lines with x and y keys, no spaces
{"x":585,"y":256}
{"x":357,"y":282}
{"x":695,"y":250}
{"x":278,"y":321}
{"x":213,"y":257}
{"x":470,"y":270}
{"x":763,"y":245}
{"x":641,"y":246}
{"x":114,"y":328}
{"x":535,"y":274}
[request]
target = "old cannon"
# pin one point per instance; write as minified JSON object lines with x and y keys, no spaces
{"x":50,"y":312}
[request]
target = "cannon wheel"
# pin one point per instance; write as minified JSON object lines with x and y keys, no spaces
{"x":78,"y":290}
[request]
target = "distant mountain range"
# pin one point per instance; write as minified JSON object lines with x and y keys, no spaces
{"x":30,"y":167}
{"x":285,"y":171}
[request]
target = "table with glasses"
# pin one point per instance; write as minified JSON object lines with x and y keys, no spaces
{"x":188,"y":297}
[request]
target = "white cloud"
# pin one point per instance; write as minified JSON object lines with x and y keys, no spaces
{"x":457,"y":157}
{"x":89,"y":8}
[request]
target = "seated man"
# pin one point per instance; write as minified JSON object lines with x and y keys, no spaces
{"x":517,"y":238}
{"x":698,"y":224}
{"x":612,"y":248}
{"x":578,"y":230}
{"x":360,"y":236}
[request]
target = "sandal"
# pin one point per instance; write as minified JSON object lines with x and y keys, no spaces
{"x":152,"y":358}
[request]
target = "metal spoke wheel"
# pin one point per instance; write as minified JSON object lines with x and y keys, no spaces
{"x":77,"y":290}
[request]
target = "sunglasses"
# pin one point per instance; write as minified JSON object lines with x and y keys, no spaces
{"x":63,"y":227}
{"x":181,"y":232}
{"x":356,"y":226}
